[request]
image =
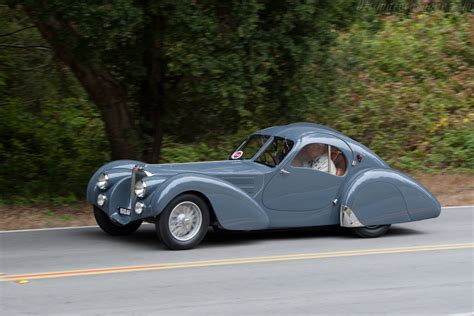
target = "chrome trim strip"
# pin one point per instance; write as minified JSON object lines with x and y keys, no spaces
{"x":148,"y":174}
{"x":137,"y":174}
{"x":329,"y":160}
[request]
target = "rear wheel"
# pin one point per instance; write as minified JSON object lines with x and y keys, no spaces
{"x":371,"y":231}
{"x":110,"y":227}
{"x":184,"y":222}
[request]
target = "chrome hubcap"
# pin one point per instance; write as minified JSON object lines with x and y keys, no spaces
{"x":185,"y":221}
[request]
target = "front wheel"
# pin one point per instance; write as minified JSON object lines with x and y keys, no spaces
{"x":371,"y":231}
{"x":110,"y":227}
{"x":183,"y":223}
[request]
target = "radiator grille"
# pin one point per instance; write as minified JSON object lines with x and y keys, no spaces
{"x":138,"y":174}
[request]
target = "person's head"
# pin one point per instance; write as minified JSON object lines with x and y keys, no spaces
{"x":314,"y":150}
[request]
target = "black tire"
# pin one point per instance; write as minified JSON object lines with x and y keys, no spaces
{"x":110,"y":227}
{"x":162,"y":224}
{"x":370,"y":231}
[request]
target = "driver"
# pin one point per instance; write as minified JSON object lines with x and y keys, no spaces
{"x":315,"y":156}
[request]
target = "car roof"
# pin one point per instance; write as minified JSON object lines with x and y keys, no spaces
{"x":296,"y":130}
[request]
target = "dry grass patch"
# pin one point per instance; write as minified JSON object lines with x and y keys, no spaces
{"x":450,"y":190}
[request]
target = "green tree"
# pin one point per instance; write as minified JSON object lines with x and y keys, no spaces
{"x":185,"y":66}
{"x":52,"y":137}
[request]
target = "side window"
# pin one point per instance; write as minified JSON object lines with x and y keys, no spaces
{"x":321,"y":157}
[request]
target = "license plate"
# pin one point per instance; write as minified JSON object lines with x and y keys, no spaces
{"x":125,"y":211}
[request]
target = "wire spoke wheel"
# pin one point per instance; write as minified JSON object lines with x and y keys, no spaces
{"x":185,"y":221}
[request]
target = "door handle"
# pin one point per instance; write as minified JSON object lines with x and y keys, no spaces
{"x":283,"y":171}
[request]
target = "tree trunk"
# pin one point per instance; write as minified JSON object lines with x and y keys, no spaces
{"x":152,"y":101}
{"x":106,"y":92}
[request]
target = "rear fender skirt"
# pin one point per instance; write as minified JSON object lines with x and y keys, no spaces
{"x":385,"y":196}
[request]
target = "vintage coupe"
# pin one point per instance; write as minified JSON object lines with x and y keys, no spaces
{"x":296,"y":175}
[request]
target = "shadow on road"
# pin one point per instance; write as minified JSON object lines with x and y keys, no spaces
{"x":145,"y":237}
{"x":402,"y":231}
{"x":328,"y":232}
{"x":229,"y":237}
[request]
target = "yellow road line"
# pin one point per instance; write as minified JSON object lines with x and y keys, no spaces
{"x":233,"y":261}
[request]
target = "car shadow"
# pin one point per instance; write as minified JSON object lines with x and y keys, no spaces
{"x":145,"y":237}
{"x":226,"y":238}
{"x":401,"y":231}
{"x":213,"y":239}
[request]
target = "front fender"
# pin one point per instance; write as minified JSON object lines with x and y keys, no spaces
{"x":386,"y":196}
{"x":119,"y":168}
{"x":234,"y":209}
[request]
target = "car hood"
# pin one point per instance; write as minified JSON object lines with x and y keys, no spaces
{"x":214,"y":168}
{"x":245,"y":175}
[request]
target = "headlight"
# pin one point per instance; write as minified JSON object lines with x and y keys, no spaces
{"x":139,"y":207}
{"x":102,"y":181}
{"x":140,"y":188}
{"x":101,"y":198}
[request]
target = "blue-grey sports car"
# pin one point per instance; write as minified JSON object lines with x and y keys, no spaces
{"x":296,"y":175}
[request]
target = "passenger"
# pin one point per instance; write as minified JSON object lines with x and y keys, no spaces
{"x":315,"y":156}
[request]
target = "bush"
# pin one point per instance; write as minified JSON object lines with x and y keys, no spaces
{"x":406,"y":91}
{"x":51,"y":152}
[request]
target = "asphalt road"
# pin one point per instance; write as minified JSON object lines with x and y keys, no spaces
{"x":417,"y":268}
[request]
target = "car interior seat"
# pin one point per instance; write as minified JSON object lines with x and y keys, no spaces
{"x":338,"y":158}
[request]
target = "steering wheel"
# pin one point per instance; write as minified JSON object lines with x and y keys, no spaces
{"x":271,"y":157}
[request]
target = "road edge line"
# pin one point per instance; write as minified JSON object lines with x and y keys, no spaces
{"x":92,"y":226}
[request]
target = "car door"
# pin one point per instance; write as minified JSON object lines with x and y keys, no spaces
{"x":298,"y":188}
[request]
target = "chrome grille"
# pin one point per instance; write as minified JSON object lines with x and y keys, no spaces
{"x":138,"y":173}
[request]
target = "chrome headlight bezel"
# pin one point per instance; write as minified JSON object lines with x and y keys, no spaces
{"x":140,"y":188}
{"x":139,"y":208}
{"x":102,"y":181}
{"x":101,"y":199}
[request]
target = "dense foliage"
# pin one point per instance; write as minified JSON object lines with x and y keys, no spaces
{"x":403,"y":85}
{"x":152,"y":67}
{"x":406,"y":91}
{"x":52,"y":137}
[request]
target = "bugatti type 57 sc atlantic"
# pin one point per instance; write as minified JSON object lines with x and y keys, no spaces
{"x":296,"y":175}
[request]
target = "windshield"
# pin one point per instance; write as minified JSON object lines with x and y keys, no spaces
{"x":249,"y":147}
